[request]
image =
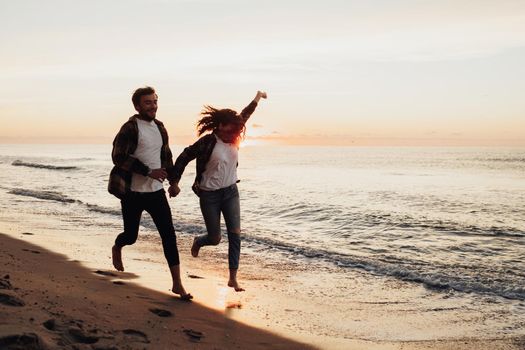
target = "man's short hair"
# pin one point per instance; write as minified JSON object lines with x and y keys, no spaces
{"x":147,"y":90}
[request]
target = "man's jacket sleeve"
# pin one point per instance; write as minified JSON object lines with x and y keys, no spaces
{"x":123,"y":147}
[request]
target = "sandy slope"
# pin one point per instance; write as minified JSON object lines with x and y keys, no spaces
{"x":47,"y":301}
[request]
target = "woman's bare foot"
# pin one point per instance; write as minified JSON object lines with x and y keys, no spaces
{"x":177,"y":284}
{"x":182,"y":293}
{"x":235,"y":285}
{"x":232,"y":281}
{"x":195,"y":248}
{"x":116,"y":255}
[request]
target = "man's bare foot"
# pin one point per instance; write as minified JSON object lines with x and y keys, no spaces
{"x":117,"y":258}
{"x":235,"y":285}
{"x":179,"y":290}
{"x":195,"y":248}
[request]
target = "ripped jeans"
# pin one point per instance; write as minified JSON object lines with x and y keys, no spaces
{"x":212,"y":203}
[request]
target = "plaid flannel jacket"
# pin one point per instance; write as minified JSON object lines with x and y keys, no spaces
{"x":124,"y":145}
{"x":202,"y":150}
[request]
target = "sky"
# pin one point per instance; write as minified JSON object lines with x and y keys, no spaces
{"x":337,"y":72}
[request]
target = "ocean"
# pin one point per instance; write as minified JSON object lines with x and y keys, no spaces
{"x":445,"y":218}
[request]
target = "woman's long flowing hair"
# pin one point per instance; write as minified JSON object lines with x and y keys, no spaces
{"x":212,"y":117}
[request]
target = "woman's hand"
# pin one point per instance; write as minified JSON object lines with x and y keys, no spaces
{"x":260,"y":94}
{"x":174,"y":190}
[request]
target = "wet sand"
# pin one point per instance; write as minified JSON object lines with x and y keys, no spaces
{"x":75,"y":299}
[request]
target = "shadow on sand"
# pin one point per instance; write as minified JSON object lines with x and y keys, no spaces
{"x":48,"y":301}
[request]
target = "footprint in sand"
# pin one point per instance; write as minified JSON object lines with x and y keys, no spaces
{"x":32,"y":251}
{"x":195,"y":276}
{"x":22,"y":341}
{"x":78,"y":336}
{"x":120,"y":283}
{"x":134,"y":335}
{"x":194,"y":336}
{"x":10,"y":300}
{"x":50,"y":324}
{"x":105,"y":273}
{"x":234,"y":305}
{"x":161,"y":312}
{"x":5,"y":284}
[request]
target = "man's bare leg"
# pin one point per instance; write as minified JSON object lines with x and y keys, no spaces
{"x":178,"y":288}
{"x":116,"y":255}
{"x":232,"y":282}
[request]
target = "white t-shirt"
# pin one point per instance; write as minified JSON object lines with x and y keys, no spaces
{"x":221,"y":169}
{"x":148,"y":152}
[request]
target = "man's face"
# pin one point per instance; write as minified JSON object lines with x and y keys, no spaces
{"x":147,"y":106}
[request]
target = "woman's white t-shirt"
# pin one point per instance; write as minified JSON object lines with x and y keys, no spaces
{"x":148,"y":150}
{"x":221,"y":169}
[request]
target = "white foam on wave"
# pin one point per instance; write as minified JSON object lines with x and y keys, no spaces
{"x":446,"y":277}
{"x":46,"y":195}
{"x":43,"y":166}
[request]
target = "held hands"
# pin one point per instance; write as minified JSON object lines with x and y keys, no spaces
{"x":174,"y":190}
{"x":158,"y":174}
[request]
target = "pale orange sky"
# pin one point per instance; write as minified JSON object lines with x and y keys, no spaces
{"x":336,"y":72}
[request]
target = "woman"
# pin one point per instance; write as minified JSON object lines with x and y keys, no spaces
{"x":216,"y":178}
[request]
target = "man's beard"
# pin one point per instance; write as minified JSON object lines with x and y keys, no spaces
{"x":146,"y":117}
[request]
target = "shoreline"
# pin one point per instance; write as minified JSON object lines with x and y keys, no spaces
{"x":281,"y":301}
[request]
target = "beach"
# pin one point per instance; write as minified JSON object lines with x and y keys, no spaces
{"x":71,"y":298}
{"x":49,"y":301}
{"x":366,"y":157}
{"x":320,"y":270}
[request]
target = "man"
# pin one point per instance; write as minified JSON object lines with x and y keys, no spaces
{"x":143,"y":160}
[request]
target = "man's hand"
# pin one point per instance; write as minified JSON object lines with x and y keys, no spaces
{"x":174,"y":190}
{"x":158,"y":174}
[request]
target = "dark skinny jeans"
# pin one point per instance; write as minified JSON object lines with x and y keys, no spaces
{"x":156,"y":204}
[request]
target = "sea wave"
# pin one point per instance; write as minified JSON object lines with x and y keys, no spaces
{"x":504,"y":160}
{"x":454,"y":228}
{"x":446,"y":277}
{"x":60,"y":197}
{"x":340,"y":220}
{"x":147,"y":222}
{"x":46,"y":195}
{"x":499,"y":281}
{"x":103,"y":210}
{"x":43,"y":166}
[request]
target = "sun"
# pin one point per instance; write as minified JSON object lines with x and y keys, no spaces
{"x":247,"y":143}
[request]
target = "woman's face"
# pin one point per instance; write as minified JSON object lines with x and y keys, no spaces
{"x":228,"y":133}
